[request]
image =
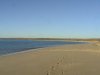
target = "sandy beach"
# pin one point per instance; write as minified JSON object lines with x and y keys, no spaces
{"x":80,"y":59}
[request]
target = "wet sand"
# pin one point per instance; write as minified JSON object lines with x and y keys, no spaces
{"x":81,"y":59}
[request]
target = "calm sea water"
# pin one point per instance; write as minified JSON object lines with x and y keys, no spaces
{"x":12,"y":46}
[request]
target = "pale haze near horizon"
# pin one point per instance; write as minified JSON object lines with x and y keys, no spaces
{"x":50,"y":18}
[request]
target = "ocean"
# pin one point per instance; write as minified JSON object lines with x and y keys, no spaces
{"x":12,"y":46}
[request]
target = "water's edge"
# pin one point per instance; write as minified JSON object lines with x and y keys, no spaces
{"x":39,"y":48}
{"x":36,"y":48}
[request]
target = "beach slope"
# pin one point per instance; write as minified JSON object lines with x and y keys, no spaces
{"x":80,"y":59}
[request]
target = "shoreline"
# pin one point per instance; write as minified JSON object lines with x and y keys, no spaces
{"x":77,"y":59}
{"x":38,"y":48}
{"x":27,"y":50}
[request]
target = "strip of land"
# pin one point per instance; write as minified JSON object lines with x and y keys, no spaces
{"x":80,"y":59}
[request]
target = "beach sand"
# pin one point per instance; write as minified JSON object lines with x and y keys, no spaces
{"x":80,"y":59}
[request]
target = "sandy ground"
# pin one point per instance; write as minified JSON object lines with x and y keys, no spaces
{"x":81,"y":59}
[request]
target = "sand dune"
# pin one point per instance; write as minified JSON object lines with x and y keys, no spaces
{"x":81,"y":59}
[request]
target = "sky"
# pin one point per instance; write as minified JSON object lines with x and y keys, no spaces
{"x":50,"y":18}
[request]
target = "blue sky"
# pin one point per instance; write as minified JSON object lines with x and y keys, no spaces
{"x":50,"y":18}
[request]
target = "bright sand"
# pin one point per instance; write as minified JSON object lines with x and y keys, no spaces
{"x":81,"y":59}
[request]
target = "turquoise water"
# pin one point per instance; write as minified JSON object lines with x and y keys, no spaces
{"x":12,"y":46}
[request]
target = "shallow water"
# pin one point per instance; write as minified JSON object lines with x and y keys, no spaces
{"x":12,"y":46}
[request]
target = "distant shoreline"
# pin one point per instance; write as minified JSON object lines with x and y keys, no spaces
{"x":54,"y":39}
